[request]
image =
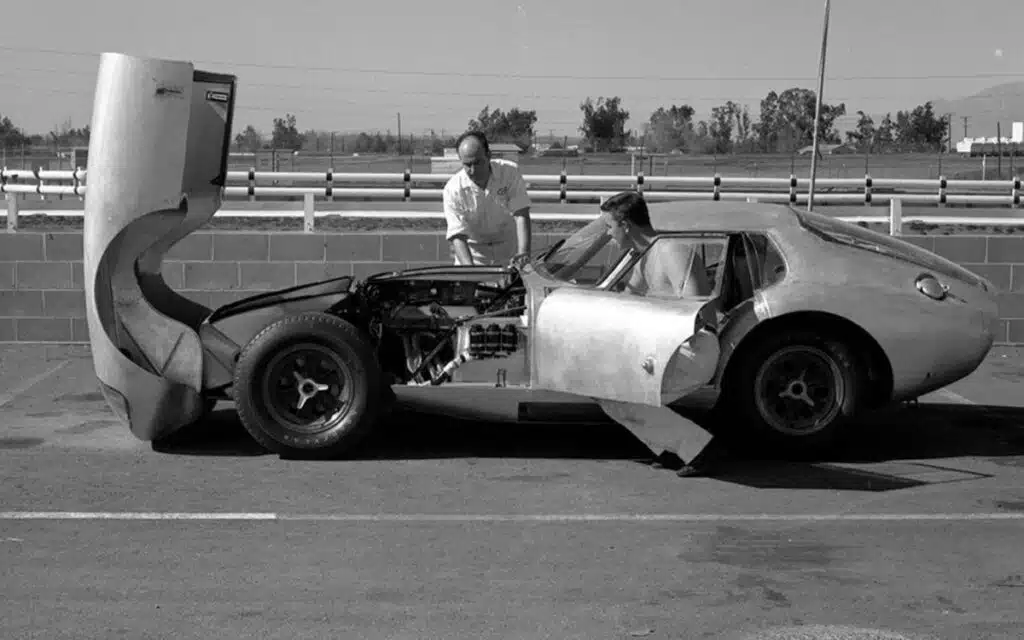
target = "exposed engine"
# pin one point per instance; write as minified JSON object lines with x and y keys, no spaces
{"x":426,"y":328}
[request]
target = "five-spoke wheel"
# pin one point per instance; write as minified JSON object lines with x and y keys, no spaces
{"x":308,"y":384}
{"x":792,"y":392}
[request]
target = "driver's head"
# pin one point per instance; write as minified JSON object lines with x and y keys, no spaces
{"x":475,"y":155}
{"x":625,"y":213}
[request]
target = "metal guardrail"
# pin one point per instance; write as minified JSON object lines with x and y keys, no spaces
{"x":564,"y":188}
{"x":844,"y":191}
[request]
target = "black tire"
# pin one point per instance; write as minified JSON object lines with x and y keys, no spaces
{"x":339,"y":413}
{"x":753,"y":410}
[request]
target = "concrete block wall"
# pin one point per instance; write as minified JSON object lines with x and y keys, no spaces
{"x":41,"y":284}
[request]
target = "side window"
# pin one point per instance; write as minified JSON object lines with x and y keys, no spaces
{"x":677,"y":267}
{"x":769,"y":267}
{"x":585,"y":258}
{"x":599,"y":265}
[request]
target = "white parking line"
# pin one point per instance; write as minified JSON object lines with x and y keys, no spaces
{"x":421,"y":518}
{"x":955,"y":397}
{"x":13,"y":393}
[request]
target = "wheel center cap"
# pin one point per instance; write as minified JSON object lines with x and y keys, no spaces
{"x":307,"y":389}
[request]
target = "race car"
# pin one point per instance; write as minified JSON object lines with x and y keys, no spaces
{"x":807,"y":321}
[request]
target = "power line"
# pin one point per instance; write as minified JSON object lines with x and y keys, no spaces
{"x":442,"y":111}
{"x":669,"y":98}
{"x":255,"y":65}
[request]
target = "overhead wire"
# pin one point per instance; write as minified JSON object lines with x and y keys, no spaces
{"x":465,"y":74}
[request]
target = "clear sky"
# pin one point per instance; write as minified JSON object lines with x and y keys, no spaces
{"x":349,"y":65}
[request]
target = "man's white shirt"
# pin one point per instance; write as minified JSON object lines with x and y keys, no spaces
{"x":484,"y":216}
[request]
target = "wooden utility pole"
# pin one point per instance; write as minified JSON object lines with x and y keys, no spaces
{"x":399,"y":134}
{"x":817,"y":108}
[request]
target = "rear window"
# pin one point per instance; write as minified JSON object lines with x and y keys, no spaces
{"x":843,"y":232}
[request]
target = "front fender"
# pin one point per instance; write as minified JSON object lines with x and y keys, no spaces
{"x":230,"y":328}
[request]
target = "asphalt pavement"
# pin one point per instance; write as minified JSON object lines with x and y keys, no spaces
{"x":449,"y":529}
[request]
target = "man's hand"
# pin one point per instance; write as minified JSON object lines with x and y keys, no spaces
{"x":519,"y":260}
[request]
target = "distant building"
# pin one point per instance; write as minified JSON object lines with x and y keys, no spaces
{"x":991,"y":146}
{"x":505,"y":150}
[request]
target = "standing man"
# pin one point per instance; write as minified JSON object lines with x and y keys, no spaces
{"x":486,"y":206}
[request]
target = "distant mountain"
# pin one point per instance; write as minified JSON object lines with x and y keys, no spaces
{"x":1002,"y":103}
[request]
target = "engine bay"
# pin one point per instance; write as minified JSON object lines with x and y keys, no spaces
{"x":425,"y":328}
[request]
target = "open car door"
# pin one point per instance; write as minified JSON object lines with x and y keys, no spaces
{"x":633,"y":354}
{"x":636,"y":354}
{"x":611,"y":346}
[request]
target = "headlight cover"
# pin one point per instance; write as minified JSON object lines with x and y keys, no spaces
{"x":930,"y":286}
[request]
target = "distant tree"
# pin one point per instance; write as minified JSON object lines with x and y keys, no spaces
{"x":863,"y":137}
{"x":787,"y":120}
{"x":670,"y":129}
{"x":744,"y":127}
{"x":920,"y":129}
{"x":66,"y":135}
{"x":515,"y":125}
{"x":10,"y":135}
{"x":885,"y":135}
{"x":720,"y":127}
{"x":604,"y":123}
{"x":286,"y":135}
{"x":249,"y":140}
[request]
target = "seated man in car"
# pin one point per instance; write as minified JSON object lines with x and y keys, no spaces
{"x":672,"y":268}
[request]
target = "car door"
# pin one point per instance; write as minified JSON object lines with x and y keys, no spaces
{"x":610,"y":344}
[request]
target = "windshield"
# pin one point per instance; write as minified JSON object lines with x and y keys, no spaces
{"x":585,"y":257}
{"x":856,"y":236}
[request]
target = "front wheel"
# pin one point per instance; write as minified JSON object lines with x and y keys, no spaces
{"x":794,"y":392}
{"x":308,"y":384}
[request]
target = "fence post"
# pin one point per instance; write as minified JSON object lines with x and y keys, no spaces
{"x":895,"y":217}
{"x":309,"y":211}
{"x":12,"y":212}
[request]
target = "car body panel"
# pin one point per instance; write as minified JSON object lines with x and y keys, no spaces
{"x":227,"y":330}
{"x":877,"y":292}
{"x":157,"y":164}
{"x":582,"y":345}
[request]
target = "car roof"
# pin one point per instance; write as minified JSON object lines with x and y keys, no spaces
{"x":694,"y":215}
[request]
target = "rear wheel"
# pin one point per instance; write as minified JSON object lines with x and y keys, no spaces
{"x":308,"y":385}
{"x":794,"y":392}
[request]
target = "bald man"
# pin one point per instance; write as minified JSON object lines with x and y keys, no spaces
{"x":486,"y":207}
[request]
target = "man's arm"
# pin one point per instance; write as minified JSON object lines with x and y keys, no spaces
{"x":461,"y":248}
{"x":523,"y":230}
{"x":519,"y":203}
{"x":457,"y":229}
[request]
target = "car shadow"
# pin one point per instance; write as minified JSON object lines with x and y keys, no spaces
{"x":893,"y":448}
